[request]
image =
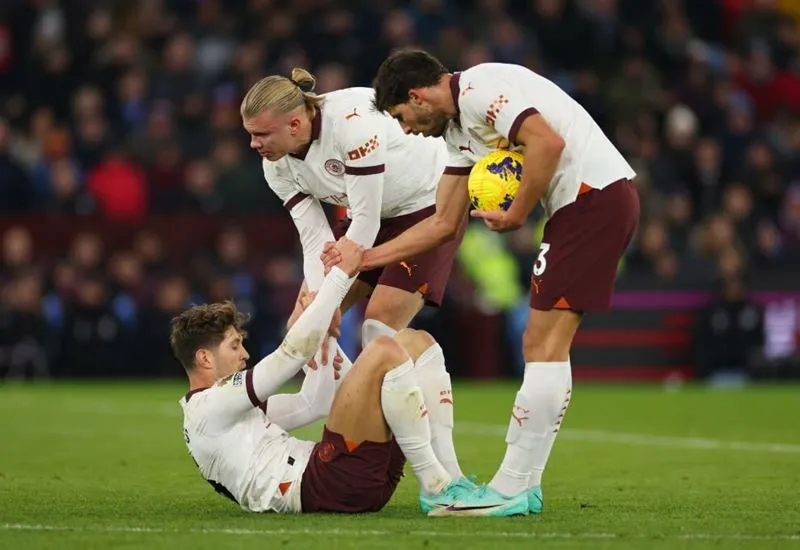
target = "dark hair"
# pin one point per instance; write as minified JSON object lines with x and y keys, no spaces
{"x":203,"y":326}
{"x":403,"y":71}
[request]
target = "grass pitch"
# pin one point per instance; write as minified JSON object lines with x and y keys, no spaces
{"x":103,"y":465}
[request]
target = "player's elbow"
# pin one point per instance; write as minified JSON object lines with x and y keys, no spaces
{"x":555,"y":144}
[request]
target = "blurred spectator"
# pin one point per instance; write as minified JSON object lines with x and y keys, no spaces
{"x":25,"y":337}
{"x":729,"y":332}
{"x":152,"y":355}
{"x":150,"y":249}
{"x":86,"y":253}
{"x":119,"y":188}
{"x":17,"y":252}
{"x":94,"y":341}
{"x":16,"y":193}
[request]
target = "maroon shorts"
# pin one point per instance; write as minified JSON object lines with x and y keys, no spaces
{"x":341,"y":477}
{"x":426,"y":273}
{"x":581,"y":248}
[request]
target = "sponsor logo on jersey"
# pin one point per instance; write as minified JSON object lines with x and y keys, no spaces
{"x":364,"y":150}
{"x":494,"y":109}
{"x":467,"y":147}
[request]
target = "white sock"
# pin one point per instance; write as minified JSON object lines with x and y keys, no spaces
{"x":437,"y":391}
{"x":542,"y":452}
{"x":535,"y":419}
{"x":407,"y":416}
{"x":372,"y":328}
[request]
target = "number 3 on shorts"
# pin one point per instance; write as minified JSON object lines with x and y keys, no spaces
{"x":541,"y":261}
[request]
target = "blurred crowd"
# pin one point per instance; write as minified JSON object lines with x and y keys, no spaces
{"x":125,"y":110}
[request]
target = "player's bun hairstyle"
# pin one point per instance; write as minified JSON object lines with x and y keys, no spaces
{"x":403,"y":71}
{"x":280,"y":94}
{"x":203,"y":326}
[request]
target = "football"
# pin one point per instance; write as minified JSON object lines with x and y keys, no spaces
{"x":495,"y":179}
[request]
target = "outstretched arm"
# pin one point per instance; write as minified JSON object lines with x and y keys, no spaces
{"x":236,"y":394}
{"x":301,"y":342}
{"x":452,"y":202}
{"x":230,"y":397}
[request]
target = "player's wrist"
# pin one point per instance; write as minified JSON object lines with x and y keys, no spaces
{"x":338,"y":275}
{"x":516,"y":213}
{"x":367,"y":259}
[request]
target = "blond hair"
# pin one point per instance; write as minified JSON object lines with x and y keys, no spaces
{"x":280,"y":94}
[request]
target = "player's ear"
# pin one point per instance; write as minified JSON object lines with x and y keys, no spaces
{"x":414,"y":97}
{"x":294,"y":123}
{"x":202,"y":358}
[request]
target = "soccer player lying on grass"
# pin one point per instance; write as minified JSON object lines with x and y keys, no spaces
{"x":235,"y":424}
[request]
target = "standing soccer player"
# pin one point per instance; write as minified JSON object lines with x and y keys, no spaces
{"x":584,"y":184}
{"x":335,"y":148}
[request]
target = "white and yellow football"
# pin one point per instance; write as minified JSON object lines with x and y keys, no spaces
{"x":494,"y":180}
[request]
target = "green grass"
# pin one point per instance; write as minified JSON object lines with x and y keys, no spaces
{"x":98,"y":465}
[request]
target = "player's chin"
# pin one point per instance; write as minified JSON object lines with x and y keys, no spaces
{"x":436,"y":132}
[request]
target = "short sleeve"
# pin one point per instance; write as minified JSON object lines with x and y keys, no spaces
{"x":363,"y":143}
{"x":458,"y":164}
{"x":500,"y":104}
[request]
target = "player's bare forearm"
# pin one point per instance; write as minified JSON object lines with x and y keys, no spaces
{"x":543,"y":148}
{"x":427,"y":234}
{"x":452,"y":201}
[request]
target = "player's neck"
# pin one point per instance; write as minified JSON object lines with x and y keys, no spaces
{"x":443,"y":97}
{"x":199,"y":380}
{"x":304,"y":133}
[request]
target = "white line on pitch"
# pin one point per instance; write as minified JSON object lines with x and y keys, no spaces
{"x":482,"y":428}
{"x":647,"y":440}
{"x":382,"y":532}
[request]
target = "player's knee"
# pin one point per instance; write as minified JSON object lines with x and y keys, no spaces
{"x":386,"y":353}
{"x":415,"y":341}
{"x":393,"y":307}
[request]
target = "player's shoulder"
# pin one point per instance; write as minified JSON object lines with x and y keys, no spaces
{"x":348,"y":105}
{"x":275,"y":170}
{"x":198,"y":397}
{"x":487,"y":73}
{"x":236,"y":379}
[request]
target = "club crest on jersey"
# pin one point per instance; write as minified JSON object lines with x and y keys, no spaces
{"x":334,"y":167}
{"x":364,"y":150}
{"x":494,"y":109}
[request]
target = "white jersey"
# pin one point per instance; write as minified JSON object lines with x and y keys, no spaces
{"x":492,"y":101}
{"x":239,"y":447}
{"x":243,"y":455}
{"x":350,"y":139}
